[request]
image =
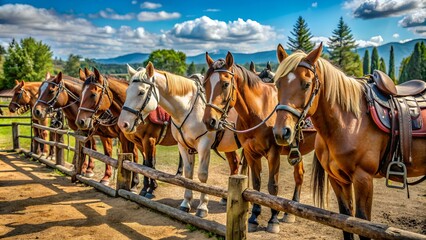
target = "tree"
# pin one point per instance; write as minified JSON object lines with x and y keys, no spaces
{"x":168,"y":60}
{"x":366,"y":63}
{"x":203,"y":71}
{"x":341,"y":47}
{"x":28,"y":60}
{"x":374,"y":60}
{"x":413,"y":69}
{"x":382,"y":65}
{"x":191,"y":69}
{"x":72,"y":65}
{"x":423,"y":57}
{"x":402,"y":67}
{"x":302,"y":37}
{"x":391,"y":72}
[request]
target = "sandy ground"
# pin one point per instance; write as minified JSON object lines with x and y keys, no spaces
{"x":37,"y":203}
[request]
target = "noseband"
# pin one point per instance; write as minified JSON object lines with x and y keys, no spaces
{"x":227,"y":106}
{"x":51,"y":103}
{"x":104,"y":88}
{"x":294,"y":154}
{"x":20,"y":95}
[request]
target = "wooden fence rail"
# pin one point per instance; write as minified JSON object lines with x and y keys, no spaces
{"x":237,"y":206}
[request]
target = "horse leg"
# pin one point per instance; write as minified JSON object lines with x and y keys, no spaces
{"x":255,"y":165}
{"x":43,"y":147}
{"x":180,"y":166}
{"x":234,"y":162}
{"x":188,"y":166}
{"x":129,"y":147}
{"x":107,"y":143}
{"x":203,"y":174}
{"x":363,"y":187}
{"x":344,"y":198}
{"x":274,"y":169}
{"x":298,"y":172}
{"x":151,"y":163}
{"x":52,"y":148}
{"x":89,"y":165}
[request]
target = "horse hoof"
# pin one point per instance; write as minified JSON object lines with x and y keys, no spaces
{"x":149,"y":195}
{"x":184,"y":209}
{"x":222,"y":201}
{"x":288,"y":218}
{"x":89,"y":174}
{"x":252,"y":227}
{"x":105,"y":182}
{"x":143,"y":193}
{"x":273,"y":228}
{"x":202,"y":213}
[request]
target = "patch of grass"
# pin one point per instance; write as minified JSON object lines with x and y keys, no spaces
{"x":56,"y":171}
{"x":191,"y":227}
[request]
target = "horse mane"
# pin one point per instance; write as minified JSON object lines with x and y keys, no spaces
{"x":341,"y":89}
{"x":177,"y":85}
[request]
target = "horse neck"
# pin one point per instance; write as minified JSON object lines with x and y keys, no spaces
{"x":32,"y":89}
{"x":255,"y":102}
{"x":71,"y":111}
{"x":118,"y":90}
{"x":177,"y":106}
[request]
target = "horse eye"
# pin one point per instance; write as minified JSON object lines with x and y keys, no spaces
{"x":50,"y":91}
{"x":225,"y":85}
{"x":93,"y":95}
{"x":141,"y":93}
{"x":306,"y":85}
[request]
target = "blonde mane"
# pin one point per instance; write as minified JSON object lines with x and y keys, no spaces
{"x":177,"y":85}
{"x":339,"y":88}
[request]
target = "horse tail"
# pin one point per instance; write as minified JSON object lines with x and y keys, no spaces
{"x":318,"y":182}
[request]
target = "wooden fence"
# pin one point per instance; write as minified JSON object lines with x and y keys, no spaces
{"x":238,"y":194}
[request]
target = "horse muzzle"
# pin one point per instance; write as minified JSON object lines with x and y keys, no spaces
{"x":39,"y":113}
{"x":84,"y":124}
{"x":211,"y":124}
{"x":284,"y":136}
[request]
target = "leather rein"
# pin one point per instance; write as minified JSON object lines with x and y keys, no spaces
{"x":51,"y":103}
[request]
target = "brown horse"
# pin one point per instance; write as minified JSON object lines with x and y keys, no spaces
{"x":63,"y":92}
{"x":229,"y":85}
{"x":349,"y":145}
{"x":102,"y":101}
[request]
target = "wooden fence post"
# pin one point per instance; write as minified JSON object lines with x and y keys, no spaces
{"x":124,"y":176}
{"x":15,"y":134}
{"x":79,"y":159}
{"x":236,"y":208}
{"x":59,"y":152}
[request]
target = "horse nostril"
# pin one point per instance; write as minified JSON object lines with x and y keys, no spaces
{"x":81,"y":122}
{"x":286,"y":133}
{"x":125,"y":124}
{"x":37,"y":112}
{"x":213,"y":123}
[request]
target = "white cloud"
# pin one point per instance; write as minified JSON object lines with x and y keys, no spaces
{"x":405,"y":40}
{"x":212,"y":10}
{"x":320,"y":39}
{"x":157,"y":16}
{"x":150,"y":5}
{"x":369,"y":9}
{"x":373,"y":42}
{"x":134,"y":2}
{"x":314,"y":4}
{"x":377,"y":39}
{"x":111,"y":14}
{"x":395,"y":35}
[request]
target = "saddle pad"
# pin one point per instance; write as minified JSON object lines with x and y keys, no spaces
{"x":159,"y":116}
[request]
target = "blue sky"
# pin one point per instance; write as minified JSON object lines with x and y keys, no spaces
{"x":107,"y":28}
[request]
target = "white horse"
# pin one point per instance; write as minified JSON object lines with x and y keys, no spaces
{"x":184,"y":100}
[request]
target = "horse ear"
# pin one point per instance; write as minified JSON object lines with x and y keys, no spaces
{"x":314,"y":55}
{"x":130,"y":70}
{"x":252,"y":67}
{"x":47,"y":76}
{"x":82,"y":75}
{"x":22,"y":83}
{"x":98,"y":76}
{"x":268,"y":66}
{"x":87,"y":72}
{"x":229,"y":60}
{"x":209,"y":60}
{"x":16,"y":82}
{"x":281,"y":53}
{"x":58,"y":78}
{"x":150,"y":70}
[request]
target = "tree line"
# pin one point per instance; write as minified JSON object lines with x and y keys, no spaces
{"x":30,"y":59}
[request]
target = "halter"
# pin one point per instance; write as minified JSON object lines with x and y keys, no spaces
{"x":51,"y":103}
{"x":104,"y":88}
{"x":227,"y":106}
{"x":20,"y":95}
{"x":294,"y":155}
{"x":138,"y":113}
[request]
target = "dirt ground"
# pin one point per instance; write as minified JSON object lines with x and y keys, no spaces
{"x":38,"y":203}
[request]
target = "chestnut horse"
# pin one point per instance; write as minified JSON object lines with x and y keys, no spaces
{"x":184,"y":100}
{"x":266,"y":74}
{"x":102,"y":102}
{"x":23,"y":99}
{"x":63,"y":92}
{"x":229,"y":85}
{"x":349,"y":145}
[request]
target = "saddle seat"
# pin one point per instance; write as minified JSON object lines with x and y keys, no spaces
{"x":159,"y":116}
{"x":385,"y":84}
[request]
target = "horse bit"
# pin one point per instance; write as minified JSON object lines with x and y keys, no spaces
{"x":294,"y":155}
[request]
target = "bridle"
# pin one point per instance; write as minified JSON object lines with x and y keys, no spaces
{"x":19,"y":97}
{"x":151,"y":92}
{"x":294,"y":155}
{"x":104,"y":87}
{"x":51,"y":103}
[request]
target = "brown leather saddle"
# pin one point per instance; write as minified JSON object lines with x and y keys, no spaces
{"x":159,"y":116}
{"x":399,"y":110}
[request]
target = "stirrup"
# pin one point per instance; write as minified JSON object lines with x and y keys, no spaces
{"x":402,"y":172}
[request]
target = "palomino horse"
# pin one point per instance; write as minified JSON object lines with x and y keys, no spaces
{"x":228,"y":85}
{"x":102,"y":102}
{"x":184,"y":100}
{"x":23,"y":99}
{"x":349,"y":145}
{"x":62,"y":92}
{"x":266,"y":74}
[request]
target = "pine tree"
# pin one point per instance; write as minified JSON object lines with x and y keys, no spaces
{"x":374,"y":60}
{"x":423,"y":51}
{"x":302,"y":37}
{"x":382,"y":65}
{"x":402,"y":67}
{"x":191,"y":69}
{"x":366,"y":63}
{"x":203,"y":71}
{"x":391,"y":72}
{"x":341,"y":47}
{"x":413,"y":69}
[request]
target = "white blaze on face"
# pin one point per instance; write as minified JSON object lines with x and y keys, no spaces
{"x":85,"y":89}
{"x":43,"y":88}
{"x":291,"y":77}
{"x":214,"y":80}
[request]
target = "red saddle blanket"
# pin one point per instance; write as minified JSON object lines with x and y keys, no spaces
{"x":159,"y":116}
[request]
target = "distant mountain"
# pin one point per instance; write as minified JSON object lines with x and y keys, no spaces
{"x":402,"y":50}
